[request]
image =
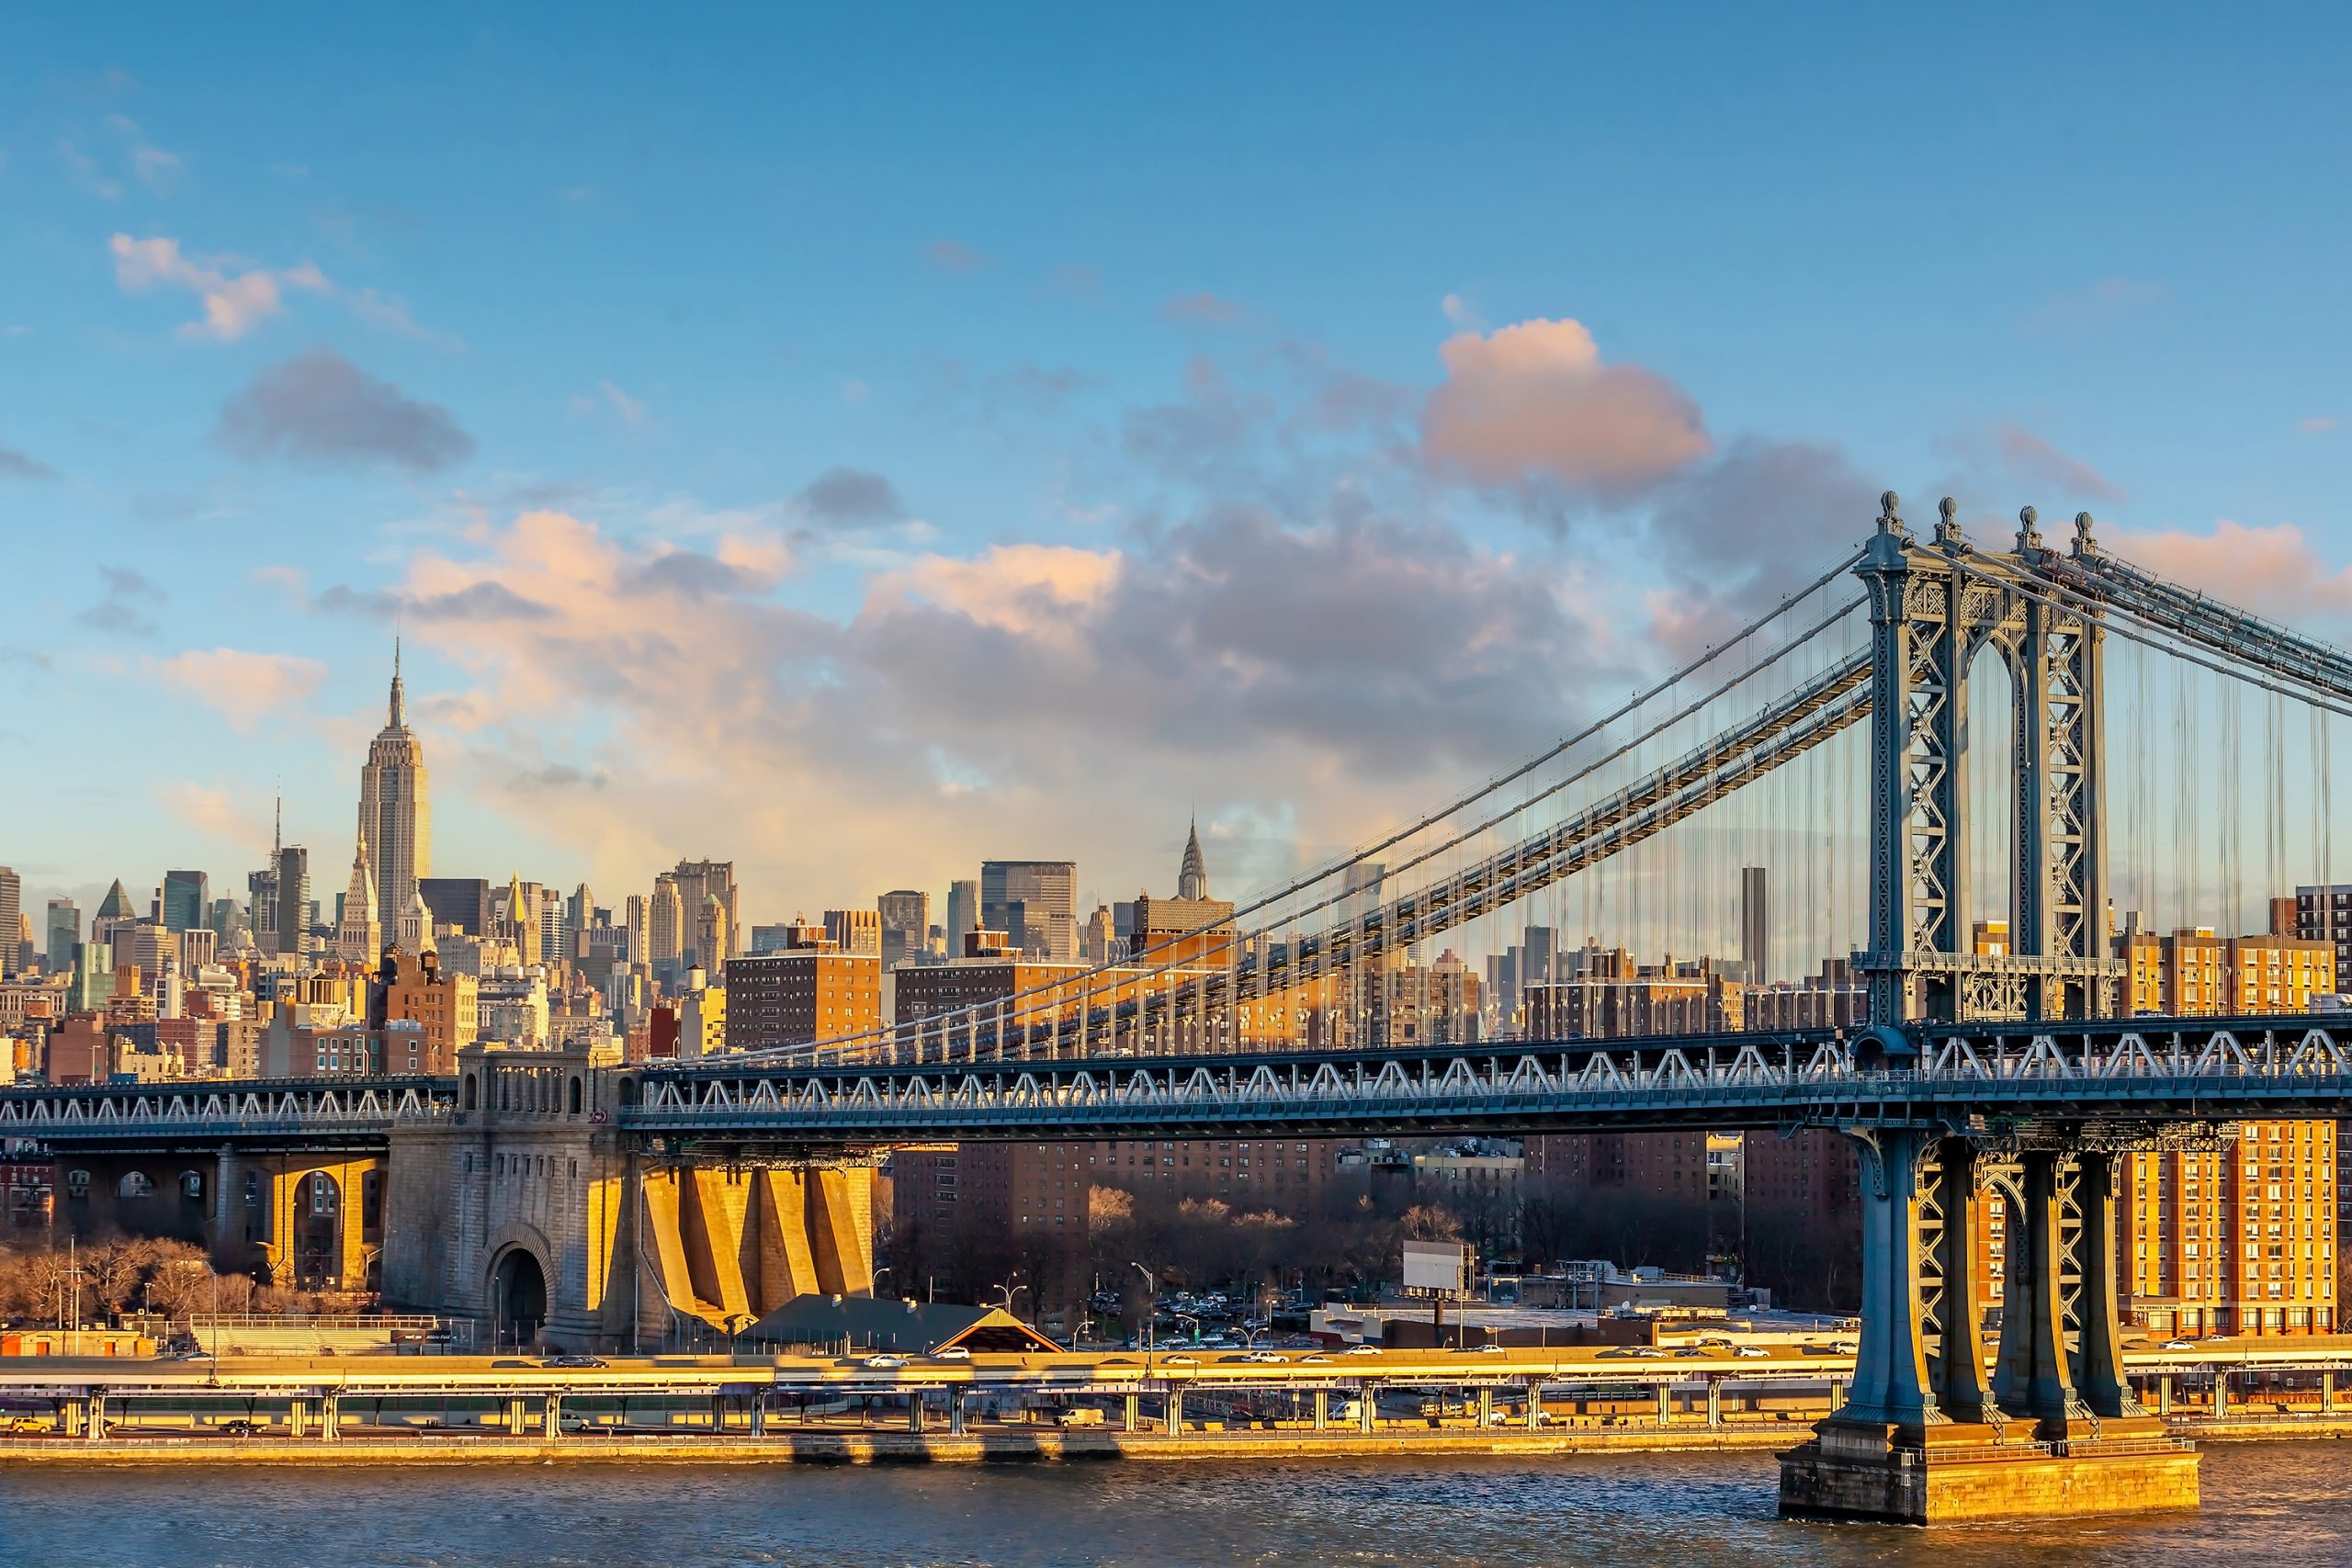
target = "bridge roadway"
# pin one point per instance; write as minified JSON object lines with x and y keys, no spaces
{"x":2144,"y":1071}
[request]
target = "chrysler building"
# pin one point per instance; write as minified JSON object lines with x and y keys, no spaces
{"x":395,"y":813}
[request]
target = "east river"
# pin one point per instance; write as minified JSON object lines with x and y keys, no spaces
{"x":2270,"y":1505}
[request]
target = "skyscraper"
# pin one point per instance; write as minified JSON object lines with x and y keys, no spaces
{"x":64,"y":935}
{"x":187,"y":899}
{"x":906,"y":924}
{"x":1192,"y":876}
{"x":698,"y":880}
{"x":1755,"y":925}
{"x":12,"y":894}
{"x":395,"y":812}
{"x":293,"y":897}
{"x":963,"y":914}
{"x":666,"y":936}
{"x":261,"y":887}
{"x":1035,"y":902}
{"x":359,"y":935}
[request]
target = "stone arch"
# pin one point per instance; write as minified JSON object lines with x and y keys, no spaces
{"x":575,"y":1094}
{"x":135,"y":1184}
{"x":194,"y":1187}
{"x":320,"y":1205}
{"x":472,"y":1092}
{"x":519,"y":1259}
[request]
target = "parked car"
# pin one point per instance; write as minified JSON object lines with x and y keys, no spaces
{"x":1265,"y":1357}
{"x":1750,"y":1350}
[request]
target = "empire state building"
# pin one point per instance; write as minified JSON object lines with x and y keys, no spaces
{"x":395,"y":812}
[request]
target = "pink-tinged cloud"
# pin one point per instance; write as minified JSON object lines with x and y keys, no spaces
{"x":1533,"y":404}
{"x":1201,"y":309}
{"x":2271,"y":570}
{"x":234,"y":301}
{"x":244,"y":688}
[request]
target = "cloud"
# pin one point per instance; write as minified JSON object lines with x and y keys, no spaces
{"x":2273,"y":569}
{"x":1462,"y":313}
{"x":1532,"y":406}
{"x":245,"y":688}
{"x":2010,"y":455}
{"x":86,"y":174}
{"x":320,"y":410}
{"x":851,"y":498}
{"x":1202,"y":309}
{"x":125,"y":607}
{"x":953,"y":255}
{"x":2316,"y":424}
{"x":235,"y":302}
{"x":157,"y":169}
{"x":15,"y":465}
{"x":208,"y":809}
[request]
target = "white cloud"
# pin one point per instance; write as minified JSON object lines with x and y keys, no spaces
{"x":245,"y":688}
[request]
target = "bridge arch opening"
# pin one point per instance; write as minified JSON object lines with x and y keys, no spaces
{"x":317,"y":1229}
{"x":192,"y":1187}
{"x":1988,"y":793}
{"x":135,"y":1184}
{"x":518,"y":1291}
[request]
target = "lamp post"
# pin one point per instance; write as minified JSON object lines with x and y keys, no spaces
{"x":1150,"y":1309}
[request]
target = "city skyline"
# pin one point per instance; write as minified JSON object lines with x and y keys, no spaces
{"x":967,"y":509}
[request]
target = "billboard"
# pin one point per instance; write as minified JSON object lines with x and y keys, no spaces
{"x":1437,"y":1266}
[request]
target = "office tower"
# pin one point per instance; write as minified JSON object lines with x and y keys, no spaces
{"x":698,"y":880}
{"x":666,"y":922}
{"x":963,"y":914}
{"x":360,"y":936}
{"x":460,"y":901}
{"x":633,"y":921}
{"x":1193,"y":874}
{"x":713,"y":934}
{"x":222,"y":918}
{"x":114,"y":912}
{"x":64,"y":935}
{"x":1034,"y":902}
{"x":261,"y":887}
{"x":93,"y":977}
{"x":12,"y":894}
{"x":1537,"y":946}
{"x":187,"y":899}
{"x":1755,"y":925}
{"x":293,"y":897}
{"x":579,"y":915}
{"x":855,"y":931}
{"x":906,"y":924}
{"x":395,"y":813}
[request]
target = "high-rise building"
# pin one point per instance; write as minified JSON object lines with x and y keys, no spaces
{"x":360,"y":936}
{"x":906,"y":925}
{"x":1193,"y":873}
{"x":698,"y":880}
{"x":713,"y":931}
{"x":293,"y":897}
{"x":799,"y":995}
{"x":2242,"y":1238}
{"x":460,"y":901}
{"x":666,"y":922}
{"x":633,"y":921}
{"x":64,"y":934}
{"x":1035,"y":902}
{"x":1755,"y":925}
{"x":114,"y":912}
{"x":855,"y":931}
{"x":963,"y":914}
{"x":187,"y":899}
{"x":12,"y":896}
{"x":395,"y":811}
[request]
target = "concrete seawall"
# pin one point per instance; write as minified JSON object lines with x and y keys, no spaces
{"x":824,"y":1446}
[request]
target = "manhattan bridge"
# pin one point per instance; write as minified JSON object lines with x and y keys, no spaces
{"x":1921,"y":736}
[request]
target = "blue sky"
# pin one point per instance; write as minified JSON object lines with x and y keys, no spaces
{"x":957,"y":432}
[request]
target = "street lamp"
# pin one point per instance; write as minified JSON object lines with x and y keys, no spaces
{"x":1009,"y":1289}
{"x":1150,"y":1308}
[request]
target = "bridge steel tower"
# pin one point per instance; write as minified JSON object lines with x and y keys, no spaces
{"x":1924,"y":1434}
{"x":1934,"y":608}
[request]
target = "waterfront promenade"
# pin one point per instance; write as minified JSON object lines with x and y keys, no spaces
{"x":1178,"y":1404}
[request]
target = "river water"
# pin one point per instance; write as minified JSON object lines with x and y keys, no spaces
{"x":2270,"y":1505}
